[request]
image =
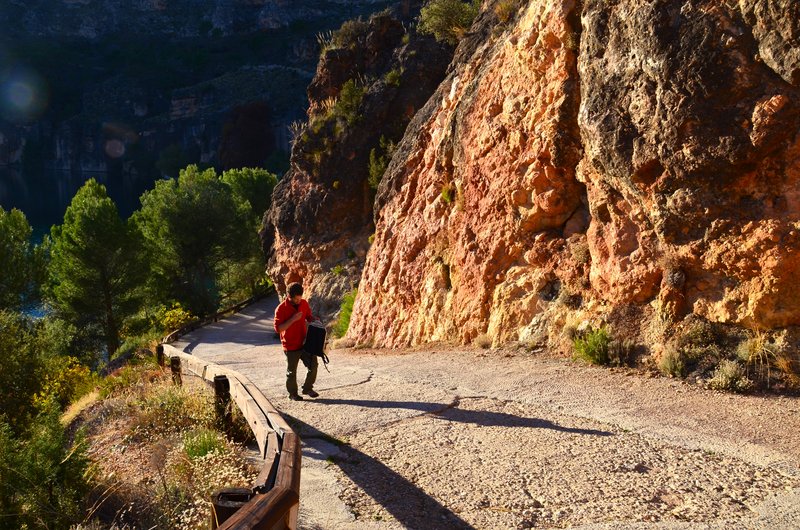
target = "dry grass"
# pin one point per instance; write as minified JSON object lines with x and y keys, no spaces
{"x":671,"y":363}
{"x":483,"y":341}
{"x":75,"y":409}
{"x":730,"y":376}
{"x":158,"y":456}
{"x":758,"y":355}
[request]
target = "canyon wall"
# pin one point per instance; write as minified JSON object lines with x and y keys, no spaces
{"x":625,"y":161}
{"x":370,"y":82}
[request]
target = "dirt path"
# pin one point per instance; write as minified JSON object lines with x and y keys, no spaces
{"x":463,"y":438}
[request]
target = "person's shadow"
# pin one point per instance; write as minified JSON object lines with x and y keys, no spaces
{"x":409,"y":504}
{"x":476,"y":417}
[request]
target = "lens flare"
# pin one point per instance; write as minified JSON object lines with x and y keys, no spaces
{"x":23,"y":95}
{"x":115,"y":149}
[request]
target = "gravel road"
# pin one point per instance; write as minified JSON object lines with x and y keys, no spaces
{"x":443,"y":437}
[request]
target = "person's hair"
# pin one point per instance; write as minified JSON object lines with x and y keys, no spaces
{"x":295,"y":289}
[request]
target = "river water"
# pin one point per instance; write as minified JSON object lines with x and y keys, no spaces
{"x":44,"y":195}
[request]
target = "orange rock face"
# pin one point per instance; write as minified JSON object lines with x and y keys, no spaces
{"x":590,"y":160}
{"x":318,"y":226}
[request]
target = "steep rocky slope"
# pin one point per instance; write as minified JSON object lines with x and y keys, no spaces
{"x":369,"y":83}
{"x":626,"y":161}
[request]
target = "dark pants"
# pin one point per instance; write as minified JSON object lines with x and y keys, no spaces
{"x":292,"y":360}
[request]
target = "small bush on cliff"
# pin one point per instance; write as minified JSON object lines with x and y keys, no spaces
{"x":505,"y":9}
{"x":448,"y":193}
{"x":593,"y":346}
{"x":448,"y":20}
{"x":392,"y":77}
{"x":349,"y":34}
{"x":378,"y":161}
{"x":349,"y":102}
{"x":343,"y":322}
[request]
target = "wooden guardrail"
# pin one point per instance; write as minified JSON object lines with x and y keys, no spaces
{"x":274,"y":501}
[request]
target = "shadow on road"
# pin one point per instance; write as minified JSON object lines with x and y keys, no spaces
{"x":476,"y":417}
{"x":410,"y":505}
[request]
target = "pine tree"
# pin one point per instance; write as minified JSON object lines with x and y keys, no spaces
{"x":95,"y":271}
{"x":20,"y":261}
{"x":197,"y":232}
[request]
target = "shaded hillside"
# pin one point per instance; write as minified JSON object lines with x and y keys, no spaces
{"x":142,"y":88}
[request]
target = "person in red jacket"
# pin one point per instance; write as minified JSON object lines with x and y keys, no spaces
{"x":291,"y":318}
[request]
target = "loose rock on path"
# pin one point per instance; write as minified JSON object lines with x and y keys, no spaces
{"x":445,"y":437}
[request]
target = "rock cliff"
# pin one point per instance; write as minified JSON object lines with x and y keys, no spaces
{"x":629,"y":161}
{"x":371,"y":80}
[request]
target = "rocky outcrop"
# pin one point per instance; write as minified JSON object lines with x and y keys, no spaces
{"x":369,"y":84}
{"x":629,"y":161}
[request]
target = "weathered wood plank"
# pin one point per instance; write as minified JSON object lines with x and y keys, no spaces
{"x":265,"y":512}
{"x":269,"y":472}
{"x":289,"y":465}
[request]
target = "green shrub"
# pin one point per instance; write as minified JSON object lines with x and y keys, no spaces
{"x":43,"y":478}
{"x":349,"y":34}
{"x":505,"y":9}
{"x":448,"y":193}
{"x":698,"y":348}
{"x":593,"y":346}
{"x":337,"y":270}
{"x":730,"y":376}
{"x":200,"y":442}
{"x":671,"y":363}
{"x":349,"y":102}
{"x":392,"y":77}
{"x":66,"y":381}
{"x":343,"y":322}
{"x":379,"y":158}
{"x":448,"y":20}
{"x":174,"y":318}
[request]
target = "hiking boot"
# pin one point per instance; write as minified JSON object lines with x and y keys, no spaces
{"x":311,"y":393}
{"x":295,"y":397}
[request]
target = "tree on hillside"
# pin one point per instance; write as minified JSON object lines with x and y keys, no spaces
{"x":196,"y":231}
{"x":253,"y":185}
{"x":95,"y":270}
{"x":20,"y":368}
{"x":21,"y":263}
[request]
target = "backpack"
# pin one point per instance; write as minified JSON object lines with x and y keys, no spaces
{"x":315,"y":341}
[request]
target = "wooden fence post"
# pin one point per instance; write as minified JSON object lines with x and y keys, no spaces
{"x":160,"y":355}
{"x":175,"y":365}
{"x":226,"y":502}
{"x":222,"y":402}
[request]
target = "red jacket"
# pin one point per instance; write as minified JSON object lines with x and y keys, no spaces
{"x":294,"y":336}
